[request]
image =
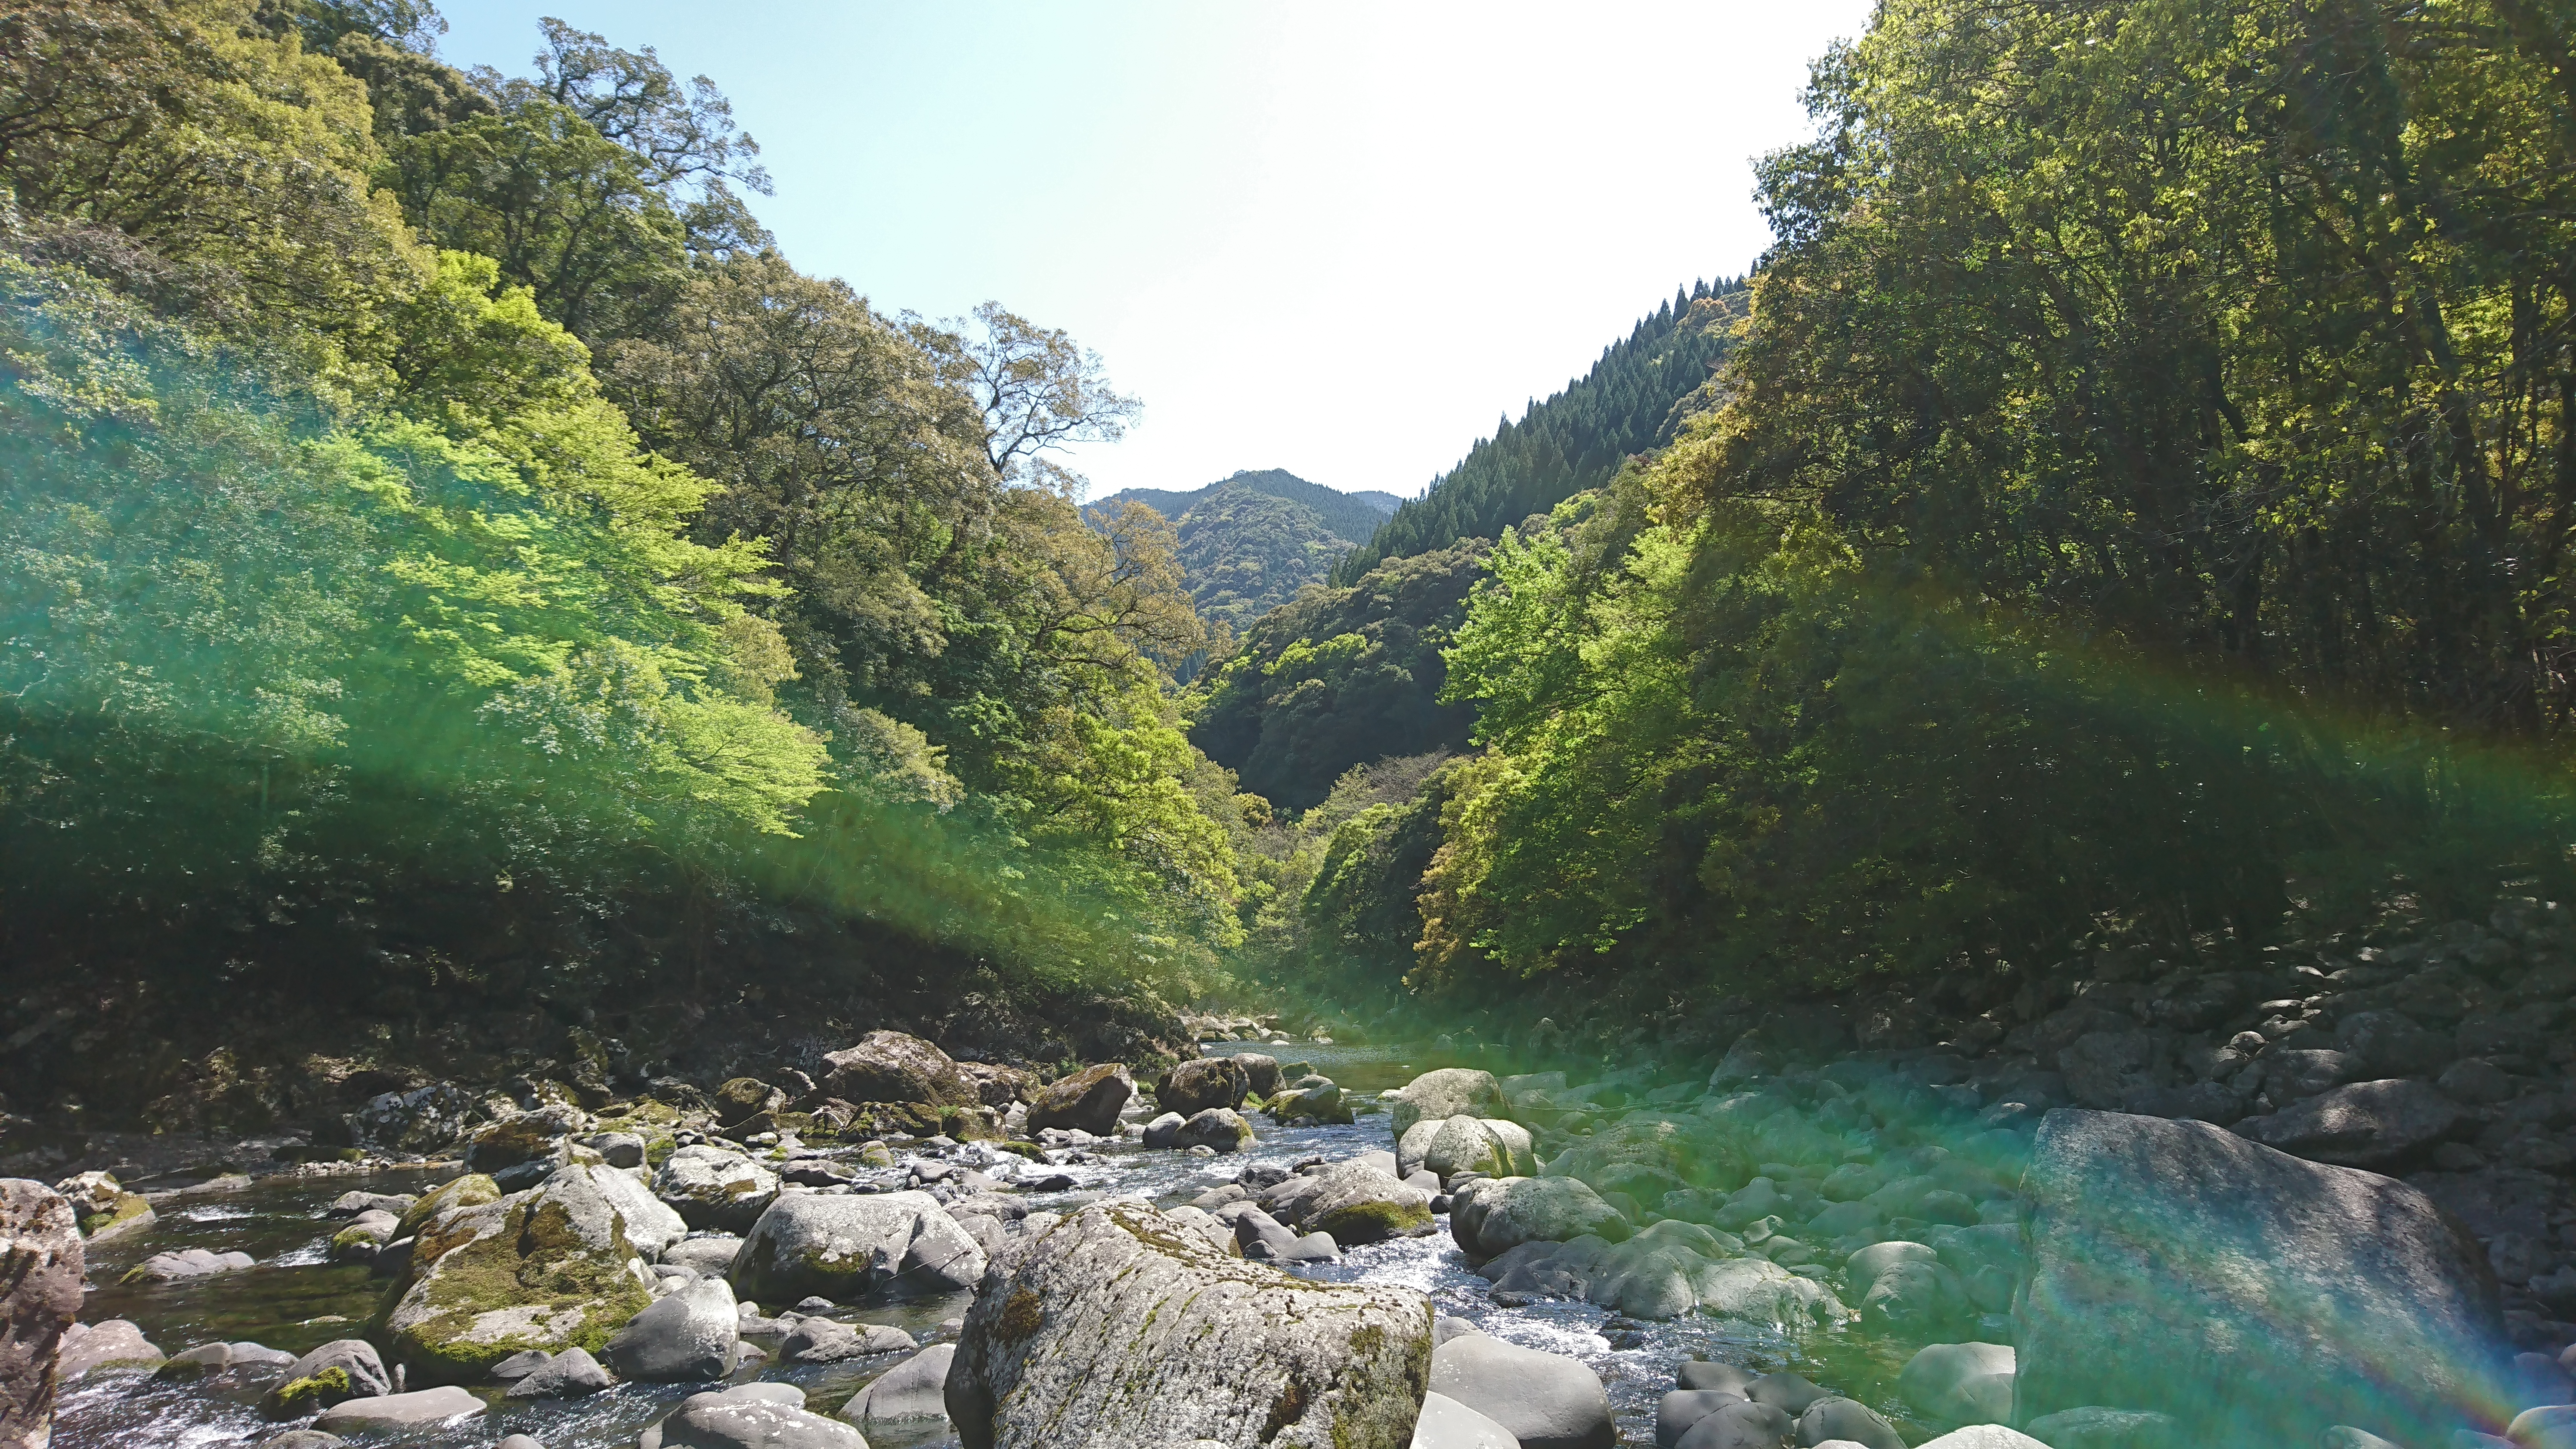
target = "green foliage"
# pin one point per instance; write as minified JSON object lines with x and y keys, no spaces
{"x":1341,"y":678}
{"x":1631,"y":400}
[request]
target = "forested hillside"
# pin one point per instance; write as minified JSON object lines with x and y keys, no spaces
{"x":1250,"y":542}
{"x":2133,"y":512}
{"x":1632,"y":399}
{"x":442,"y":531}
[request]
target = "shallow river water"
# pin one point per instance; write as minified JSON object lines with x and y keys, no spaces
{"x":293,"y":1300}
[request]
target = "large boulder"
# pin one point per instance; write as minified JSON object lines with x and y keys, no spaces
{"x":651,"y":1224}
{"x":40,"y":1294}
{"x":116,"y":1343}
{"x":1491,"y":1215}
{"x":400,"y":1411}
{"x":2368,"y":1124}
{"x":1260,"y":1073}
{"x":1488,"y":1145}
{"x":888,"y":1066}
{"x":1544,"y":1400}
{"x":847,"y":1246}
{"x":711,"y":1187}
{"x":1448,"y":1424}
{"x":338,"y":1371}
{"x":1118,"y":1328}
{"x":1447,"y":1092}
{"x":688,"y":1336}
{"x":2179,"y":1268}
{"x":1218,"y":1129}
{"x":1196,"y":1085}
{"x":1087,"y":1101}
{"x":1356,"y":1202}
{"x":549,"y":1269}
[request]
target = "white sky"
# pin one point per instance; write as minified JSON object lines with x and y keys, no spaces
{"x":1339,"y":239}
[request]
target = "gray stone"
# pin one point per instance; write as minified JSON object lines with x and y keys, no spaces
{"x":1219,"y":1129}
{"x":519,"y":1365}
{"x":1260,"y":1073}
{"x":116,"y":1343}
{"x":2291,"y":1073}
{"x":1087,"y":1101}
{"x":2368,"y":1124}
{"x":825,"y":1340}
{"x":543,"y":1269}
{"x":651,"y":1224}
{"x":913,"y":1389}
{"x":1544,"y":1400}
{"x":396,"y":1411}
{"x":708,"y":1257}
{"x":1491,"y":1146}
{"x":2475,"y":1081}
{"x":1960,"y":1383}
{"x":571,"y":1374}
{"x":2549,"y":1427}
{"x":1726,"y":1377}
{"x":354,"y":1358}
{"x":1786,"y":1392}
{"x":1914,"y":1299}
{"x":308,"y":1439}
{"x":186,"y":1263}
{"x":1494,"y":1214}
{"x":619,"y":1149}
{"x":889,"y":1066}
{"x":1120,"y":1320}
{"x":40,"y":1294}
{"x":1836,"y":1419}
{"x":1983,"y":1436}
{"x":1677,"y":1412}
{"x":845,"y":1247}
{"x":1739,"y":1426}
{"x":2179,"y":1268}
{"x":520,"y":1441}
{"x":1448,"y":1424}
{"x":2102,"y":1066}
{"x":1195,"y":1085}
{"x":710,"y":1187}
{"x":747,"y":1418}
{"x":1353,"y":1201}
{"x":1164,"y":1131}
{"x":1447,"y":1092}
{"x":688,"y":1336}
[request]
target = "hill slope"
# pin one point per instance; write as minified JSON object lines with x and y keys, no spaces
{"x":1250,"y":542}
{"x":1575,"y":440}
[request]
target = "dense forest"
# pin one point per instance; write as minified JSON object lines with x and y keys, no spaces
{"x":442,"y":531}
{"x":1631,"y":400}
{"x":2133,"y":507}
{"x":1249,"y":542}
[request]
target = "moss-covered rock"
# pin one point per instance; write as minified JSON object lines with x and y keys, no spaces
{"x":549,"y":1269}
{"x":710,"y":1187}
{"x":474,"y":1189}
{"x":104,"y":1208}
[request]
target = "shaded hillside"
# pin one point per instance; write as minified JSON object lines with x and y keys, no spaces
{"x":1342,"y":677}
{"x":1249,"y":543}
{"x":1630,"y":401}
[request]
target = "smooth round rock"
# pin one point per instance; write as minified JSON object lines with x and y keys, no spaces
{"x":1546,"y":1401}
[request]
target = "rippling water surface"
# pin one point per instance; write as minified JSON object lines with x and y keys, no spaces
{"x":294,"y":1301}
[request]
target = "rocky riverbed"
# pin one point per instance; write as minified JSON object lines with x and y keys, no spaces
{"x":1967,"y":1243}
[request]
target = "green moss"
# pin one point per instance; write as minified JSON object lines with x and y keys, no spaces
{"x":1367,"y":1222}
{"x":1021,"y":1318}
{"x":1029,"y":1150}
{"x":474,"y":1189}
{"x":130,"y":1210}
{"x":537,"y":1261}
{"x":320,"y":1391}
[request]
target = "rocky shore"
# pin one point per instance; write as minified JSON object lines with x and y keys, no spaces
{"x":2149,"y":1208}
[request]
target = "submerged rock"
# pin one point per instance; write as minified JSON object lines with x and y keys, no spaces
{"x":2179,"y":1268}
{"x":1125,"y":1323}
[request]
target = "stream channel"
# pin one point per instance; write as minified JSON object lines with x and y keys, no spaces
{"x":294,"y":1300}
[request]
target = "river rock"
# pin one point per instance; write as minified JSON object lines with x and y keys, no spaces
{"x":914,"y":1389}
{"x":827,"y":1340}
{"x":1447,"y":1092}
{"x":2256,"y":1297}
{"x":1477,"y":1144}
{"x":2094,"y":1427}
{"x":687,"y":1336}
{"x":474,"y":1189}
{"x":338,"y":1371}
{"x":844,"y":1247}
{"x":546,"y":1269}
{"x":709,"y":1256}
{"x":1960,"y":1383}
{"x":1164,"y":1131}
{"x":710,"y":1187}
{"x":1544,"y":1400}
{"x":186,"y":1263}
{"x":105,"y":1209}
{"x":1354,"y":1201}
{"x":2368,"y":1124}
{"x":1260,"y":1073}
{"x":40,"y":1295}
{"x":1195,"y":1085}
{"x":1836,"y":1419}
{"x":400,"y":1411}
{"x":652,"y":1225}
{"x":1219,"y":1129}
{"x":1740,"y":1426}
{"x":749,"y":1416}
{"x":1448,"y":1424}
{"x":1678,"y":1412}
{"x":1491,"y":1215}
{"x":116,"y":1343}
{"x":889,"y":1066}
{"x":1088,"y":1101}
{"x":571,"y":1374}
{"x":1120,"y":1321}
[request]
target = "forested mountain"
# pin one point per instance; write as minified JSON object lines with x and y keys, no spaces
{"x":442,"y":531}
{"x":2132,"y":512}
{"x":1633,"y":399}
{"x":1250,"y":542}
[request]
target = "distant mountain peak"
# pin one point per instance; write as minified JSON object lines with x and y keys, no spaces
{"x":1252,"y":539}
